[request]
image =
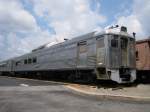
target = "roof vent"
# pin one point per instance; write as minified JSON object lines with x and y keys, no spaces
{"x":66,"y":39}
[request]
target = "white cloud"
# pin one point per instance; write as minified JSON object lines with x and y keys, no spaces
{"x":14,"y":18}
{"x":132,"y":23}
{"x":142,"y":11}
{"x":138,"y":20}
{"x":12,"y":45}
{"x":20,"y":33}
{"x":69,"y":17}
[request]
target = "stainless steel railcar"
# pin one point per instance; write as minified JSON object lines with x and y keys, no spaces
{"x":105,"y":55}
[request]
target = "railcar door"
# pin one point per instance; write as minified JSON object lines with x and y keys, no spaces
{"x":114,"y":55}
{"x":82,"y":54}
{"x":100,"y":51}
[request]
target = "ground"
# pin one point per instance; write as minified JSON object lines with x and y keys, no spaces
{"x":23,"y":95}
{"x":136,"y":92}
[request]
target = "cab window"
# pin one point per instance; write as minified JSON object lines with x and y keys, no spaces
{"x":34,"y":60}
{"x":29,"y":61}
{"x":114,"y":41}
{"x":25,"y":61}
{"x":124,"y":43}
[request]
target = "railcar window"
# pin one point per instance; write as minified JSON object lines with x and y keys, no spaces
{"x":25,"y":61}
{"x":18,"y":63}
{"x":114,"y":41}
{"x":29,"y":60}
{"x":82,"y":47}
{"x":34,"y":60}
{"x":132,"y":43}
{"x":124,"y":43}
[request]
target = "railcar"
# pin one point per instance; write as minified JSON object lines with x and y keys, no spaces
{"x":143,"y":60}
{"x":105,"y":55}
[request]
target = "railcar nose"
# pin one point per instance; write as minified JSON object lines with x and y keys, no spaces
{"x":121,"y":58}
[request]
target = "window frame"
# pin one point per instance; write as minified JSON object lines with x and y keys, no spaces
{"x":82,"y":47}
{"x":124,"y":42}
{"x":114,"y":41}
{"x":34,"y":60}
{"x":29,"y":60}
{"x":25,"y":61}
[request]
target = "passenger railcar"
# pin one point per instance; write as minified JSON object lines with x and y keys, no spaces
{"x":107,"y":55}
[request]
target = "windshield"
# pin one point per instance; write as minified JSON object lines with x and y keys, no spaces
{"x":124,"y":42}
{"x":132,"y":52}
{"x":121,"y":51}
{"x":114,"y":41}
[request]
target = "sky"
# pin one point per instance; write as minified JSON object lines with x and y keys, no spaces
{"x":27,"y":24}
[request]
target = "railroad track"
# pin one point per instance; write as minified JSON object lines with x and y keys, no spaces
{"x":97,"y":84}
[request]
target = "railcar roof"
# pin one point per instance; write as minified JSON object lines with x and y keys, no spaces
{"x":75,"y":39}
{"x":80,"y":38}
{"x":143,"y":41}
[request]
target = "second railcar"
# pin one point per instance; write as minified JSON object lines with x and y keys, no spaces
{"x":143,"y":59}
